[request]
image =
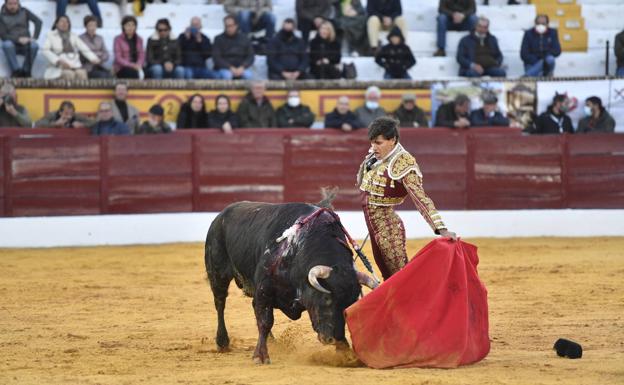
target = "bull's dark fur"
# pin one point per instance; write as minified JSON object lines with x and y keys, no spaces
{"x":241,"y":245}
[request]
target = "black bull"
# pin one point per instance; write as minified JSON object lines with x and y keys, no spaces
{"x":311,"y":270}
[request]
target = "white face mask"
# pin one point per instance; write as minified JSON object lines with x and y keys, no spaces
{"x":491,"y":114}
{"x":587,"y":110}
{"x":294,"y":101}
{"x":372,"y":105}
{"x":481,"y":35}
{"x":541,"y":29}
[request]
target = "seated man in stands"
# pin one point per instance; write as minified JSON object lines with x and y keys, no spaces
{"x":65,"y":117}
{"x":287,"y":55}
{"x":15,"y":34}
{"x":597,"y":118}
{"x":395,"y":57}
{"x":341,"y":117}
{"x":293,"y":113}
{"x":124,"y":111}
{"x":478,"y":53}
{"x":155,"y":123}
{"x":555,"y":120}
{"x":164,"y":57}
{"x":454,"y":114}
{"x":195,"y":47}
{"x":255,"y":110}
{"x":540,"y":47}
{"x":454,"y":15}
{"x":383,"y":14}
{"x":11,"y":113}
{"x":106,"y":124}
{"x":488,"y":115}
{"x":371,"y":109}
{"x":618,"y":48}
{"x":409,"y":114}
{"x":252,"y":15}
{"x":232,"y":52}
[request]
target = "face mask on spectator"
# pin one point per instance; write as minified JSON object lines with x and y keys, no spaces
{"x":587,"y":110}
{"x":491,"y":114}
{"x":294,"y":101}
{"x":541,"y":29}
{"x":481,"y":35}
{"x":193,"y":31}
{"x":371,"y":105}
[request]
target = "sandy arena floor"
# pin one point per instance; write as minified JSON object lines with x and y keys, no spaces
{"x":128,"y":315}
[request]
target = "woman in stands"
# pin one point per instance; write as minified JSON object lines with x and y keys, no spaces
{"x":62,"y":48}
{"x":129,"y":51}
{"x":193,"y":113}
{"x":96,"y":43}
{"x":325,"y":53}
{"x":222,"y":116}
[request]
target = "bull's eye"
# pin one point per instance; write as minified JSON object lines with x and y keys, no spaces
{"x":328,"y":301}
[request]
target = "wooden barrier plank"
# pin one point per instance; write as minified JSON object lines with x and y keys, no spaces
{"x":149,"y":194}
{"x":4,"y":159}
{"x":44,"y":205}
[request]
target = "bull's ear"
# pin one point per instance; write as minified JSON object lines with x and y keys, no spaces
{"x":319,"y":271}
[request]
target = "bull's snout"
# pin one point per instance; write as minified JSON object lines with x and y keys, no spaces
{"x":326,"y":340}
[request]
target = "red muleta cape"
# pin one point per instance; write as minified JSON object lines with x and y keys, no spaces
{"x":432,"y":313}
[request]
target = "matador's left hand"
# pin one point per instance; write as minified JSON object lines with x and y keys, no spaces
{"x":448,"y":234}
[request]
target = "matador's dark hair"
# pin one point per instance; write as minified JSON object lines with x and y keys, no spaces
{"x":385,"y":126}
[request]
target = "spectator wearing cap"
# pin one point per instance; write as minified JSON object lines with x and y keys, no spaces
{"x":232,"y":52}
{"x":383,"y":14}
{"x":252,"y":15}
{"x":454,"y":114}
{"x":371,"y":109}
{"x":155,"y":123}
{"x":293,"y":113}
{"x":555,"y":119}
{"x":163,"y":53}
{"x":16,"y":39}
{"x":409,"y":114}
{"x":395,"y":57}
{"x":11,"y":113}
{"x":342,"y":117}
{"x":540,"y":47}
{"x":311,"y":13}
{"x":454,"y":15}
{"x":488,"y":115}
{"x":287,"y":55}
{"x":596,"y":119}
{"x":129,"y":52}
{"x":478,"y":53}
{"x":106,"y":123}
{"x":95,"y":42}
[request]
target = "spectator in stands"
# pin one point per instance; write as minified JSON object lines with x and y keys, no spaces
{"x":478,"y":53}
{"x":232,"y":52}
{"x":287,"y":55}
{"x":193,"y":113}
{"x":61,"y":7}
{"x":383,"y":14}
{"x":96,"y":44}
{"x":195,"y":47}
{"x":488,"y":115}
{"x":255,"y":110}
{"x":311,"y":13}
{"x":129,"y":52}
{"x":555,"y":120}
{"x":252,"y":15}
{"x":325,"y":53}
{"x":155,"y":123}
{"x":597,"y":118}
{"x":65,"y":117}
{"x":293,"y":113}
{"x":371,"y":109}
{"x":351,"y":21}
{"x":395,"y":57}
{"x":454,"y":15}
{"x":124,"y":111}
{"x":409,"y":114}
{"x":106,"y":124}
{"x":454,"y":114}
{"x":222,"y":116}
{"x":618,"y":49}
{"x":163,"y":53}
{"x":342,"y":117}
{"x":62,"y":48}
{"x":540,"y":47}
{"x":16,"y":39}
{"x":11,"y":113}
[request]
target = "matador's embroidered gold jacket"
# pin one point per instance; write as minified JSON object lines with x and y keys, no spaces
{"x":390,"y":180}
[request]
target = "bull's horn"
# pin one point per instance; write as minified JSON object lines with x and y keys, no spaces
{"x":366,"y":280}
{"x":319,"y":271}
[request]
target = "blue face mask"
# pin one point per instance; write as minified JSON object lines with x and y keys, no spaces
{"x":193,"y":30}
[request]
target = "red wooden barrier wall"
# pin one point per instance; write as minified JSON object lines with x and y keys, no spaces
{"x":197,"y":170}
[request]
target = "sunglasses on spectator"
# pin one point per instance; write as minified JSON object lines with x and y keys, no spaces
{"x":163,"y":29}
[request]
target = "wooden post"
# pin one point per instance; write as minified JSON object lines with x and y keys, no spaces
{"x":104,"y":174}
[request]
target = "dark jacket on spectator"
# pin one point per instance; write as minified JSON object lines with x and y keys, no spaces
{"x":147,"y":128}
{"x":396,"y":59}
{"x":446,"y":115}
{"x":408,"y":118}
{"x":160,"y":51}
{"x":604,"y":123}
{"x":217,"y":119}
{"x":618,"y":49}
{"x":478,"y":119}
{"x":335,"y":120}
{"x":309,"y":9}
{"x":187,"y":118}
{"x":286,"y":53}
{"x":549,"y":123}
{"x":381,"y":8}
{"x":447,"y":7}
{"x":467,"y":49}
{"x":16,"y":25}
{"x":324,"y":49}
{"x":232,"y":51}
{"x":194,"y":53}
{"x":252,"y":115}
{"x":48,"y":120}
{"x":301,"y":116}
{"x":535,"y":46}
{"x":110,"y":127}
{"x":22,"y":119}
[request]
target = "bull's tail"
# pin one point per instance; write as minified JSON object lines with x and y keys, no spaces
{"x":328,"y":194}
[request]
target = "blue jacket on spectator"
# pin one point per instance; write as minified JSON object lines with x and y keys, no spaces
{"x":110,"y":127}
{"x":194,"y":53}
{"x":478,"y":119}
{"x":286,"y":52}
{"x":536,"y":46}
{"x":335,"y":120}
{"x":468,"y":46}
{"x":381,"y":8}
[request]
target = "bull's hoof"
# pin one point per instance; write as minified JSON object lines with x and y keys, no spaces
{"x":261,"y":361}
{"x":223,"y":349}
